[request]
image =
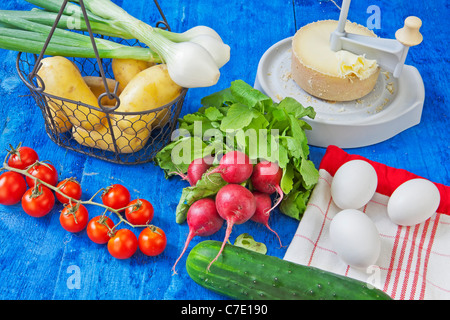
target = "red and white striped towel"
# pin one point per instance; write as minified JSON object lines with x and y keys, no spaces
{"x":414,"y":262}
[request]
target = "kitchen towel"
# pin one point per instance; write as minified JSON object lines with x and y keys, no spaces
{"x":414,"y":263}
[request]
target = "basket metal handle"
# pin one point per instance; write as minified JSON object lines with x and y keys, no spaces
{"x":38,"y":63}
{"x":164,"y":22}
{"x":111,"y":95}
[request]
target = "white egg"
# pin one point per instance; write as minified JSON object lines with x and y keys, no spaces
{"x":413,"y":202}
{"x":355,"y":238}
{"x":354,"y":184}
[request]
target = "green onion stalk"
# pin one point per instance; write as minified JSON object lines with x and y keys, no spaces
{"x":73,"y":18}
{"x":193,"y":58}
{"x":71,"y":22}
{"x":24,"y":35}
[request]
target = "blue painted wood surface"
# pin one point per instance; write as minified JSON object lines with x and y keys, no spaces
{"x":38,"y":259}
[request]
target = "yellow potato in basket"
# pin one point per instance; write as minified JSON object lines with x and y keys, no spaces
{"x":101,"y":138}
{"x":149,"y":89}
{"x":97,"y":87}
{"x":125,"y":69}
{"x":56,"y":117}
{"x":63,"y":79}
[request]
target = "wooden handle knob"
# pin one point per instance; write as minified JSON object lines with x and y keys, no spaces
{"x":409,"y":35}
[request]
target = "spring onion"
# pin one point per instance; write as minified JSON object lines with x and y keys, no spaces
{"x":67,"y":22}
{"x":190,"y":64}
{"x":193,"y":57}
{"x":217,"y":49}
{"x":205,"y":36}
{"x":58,"y":47}
{"x":189,"y":34}
{"x":74,"y":12}
{"x":22,"y":35}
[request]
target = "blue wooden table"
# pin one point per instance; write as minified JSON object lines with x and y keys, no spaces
{"x":39,"y":260}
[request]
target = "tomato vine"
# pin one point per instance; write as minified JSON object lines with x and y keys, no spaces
{"x":39,"y":186}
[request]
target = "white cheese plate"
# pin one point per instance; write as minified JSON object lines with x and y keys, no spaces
{"x":393,"y":106}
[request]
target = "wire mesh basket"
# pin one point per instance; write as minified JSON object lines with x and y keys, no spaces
{"x":99,"y":130}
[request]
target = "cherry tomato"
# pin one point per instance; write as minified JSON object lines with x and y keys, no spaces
{"x":38,"y":202}
{"x":74,"y":217}
{"x":123,"y":244}
{"x":12,"y":188}
{"x":140,"y":212}
{"x":116,"y":197}
{"x":22,"y":157}
{"x":69,"y":187}
{"x":97,"y":229}
{"x":152,"y":241}
{"x":43,"y":171}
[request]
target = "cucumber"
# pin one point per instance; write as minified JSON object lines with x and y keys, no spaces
{"x":247,"y":275}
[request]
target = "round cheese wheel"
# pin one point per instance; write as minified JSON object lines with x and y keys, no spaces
{"x":330,"y":75}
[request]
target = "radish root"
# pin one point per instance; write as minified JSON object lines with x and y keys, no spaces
{"x":227,"y":235}
{"x":279,"y":240}
{"x":182,"y":175}
{"x":280,"y":197}
{"x":190,"y":236}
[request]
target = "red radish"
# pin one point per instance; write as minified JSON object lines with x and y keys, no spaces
{"x":266,"y":178}
{"x":203,"y":220}
{"x":263,"y":209}
{"x":196,"y":169}
{"x":236,"y":204}
{"x":234,"y":167}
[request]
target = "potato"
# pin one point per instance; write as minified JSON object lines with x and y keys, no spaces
{"x":101,"y":138}
{"x":97,"y":87}
{"x":125,"y":69}
{"x":63,"y":79}
{"x":59,"y":121}
{"x":150,"y":89}
{"x":162,"y":117}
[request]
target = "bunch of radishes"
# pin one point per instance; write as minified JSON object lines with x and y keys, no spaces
{"x":234,"y":203}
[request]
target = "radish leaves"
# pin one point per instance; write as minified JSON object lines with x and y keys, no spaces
{"x":242,"y":118}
